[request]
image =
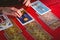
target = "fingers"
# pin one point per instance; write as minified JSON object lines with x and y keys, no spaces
{"x":19,"y":13}
{"x":12,"y":11}
{"x":15,"y":12}
{"x":7,"y":13}
{"x":26,"y":2}
{"x":1,"y":8}
{"x":12,"y":14}
{"x":13,"y":8}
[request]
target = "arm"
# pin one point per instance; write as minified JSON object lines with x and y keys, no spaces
{"x":26,"y":2}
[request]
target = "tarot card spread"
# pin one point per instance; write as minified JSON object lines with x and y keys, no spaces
{"x":46,"y":15}
{"x":32,"y":27}
{"x":39,"y":34}
{"x":14,"y":33}
{"x":25,"y":18}
{"x":4,"y":22}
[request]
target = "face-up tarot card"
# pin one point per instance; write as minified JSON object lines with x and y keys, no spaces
{"x":25,"y":18}
{"x":5,"y":22}
{"x":39,"y":7}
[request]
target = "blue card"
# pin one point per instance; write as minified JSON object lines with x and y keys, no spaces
{"x":25,"y":18}
{"x":39,"y":7}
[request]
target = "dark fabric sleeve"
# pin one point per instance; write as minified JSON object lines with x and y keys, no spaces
{"x":10,"y":2}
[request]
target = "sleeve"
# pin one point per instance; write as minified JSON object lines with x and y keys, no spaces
{"x":10,"y":2}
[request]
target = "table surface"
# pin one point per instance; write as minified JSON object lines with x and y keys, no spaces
{"x":54,"y":5}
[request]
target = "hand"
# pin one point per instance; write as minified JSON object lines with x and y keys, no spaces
{"x":26,"y":2}
{"x":11,"y":11}
{"x":1,"y":8}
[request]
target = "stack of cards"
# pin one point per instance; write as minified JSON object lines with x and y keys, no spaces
{"x":4,"y":22}
{"x":37,"y":32}
{"x":50,"y":20}
{"x":14,"y":33}
{"x":45,"y":14}
{"x":33,"y":27}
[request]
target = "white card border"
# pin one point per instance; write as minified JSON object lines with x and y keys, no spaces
{"x":28,"y":14}
{"x":36,"y":10}
{"x":6,"y":24}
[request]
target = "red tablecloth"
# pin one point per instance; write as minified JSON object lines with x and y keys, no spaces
{"x":54,"y":5}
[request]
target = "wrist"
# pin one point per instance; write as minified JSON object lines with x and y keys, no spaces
{"x":21,"y":1}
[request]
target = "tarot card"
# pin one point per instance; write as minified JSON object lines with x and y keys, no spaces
{"x":4,"y":22}
{"x":14,"y":33}
{"x":39,"y":7}
{"x":25,"y":18}
{"x":37,"y":32}
{"x":51,"y":20}
{"x":55,"y":25}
